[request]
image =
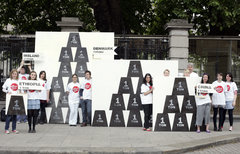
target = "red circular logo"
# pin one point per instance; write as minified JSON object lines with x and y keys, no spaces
{"x":75,"y":89}
{"x":87,"y":86}
{"x":43,"y":85}
{"x":219,"y":89}
{"x":24,"y":78}
{"x":228,"y":87}
{"x":204,"y":94}
{"x":14,"y":87}
{"x":150,"y":87}
{"x":31,"y":91}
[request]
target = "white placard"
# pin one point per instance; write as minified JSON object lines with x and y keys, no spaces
{"x":26,"y":56}
{"x":30,"y":85}
{"x":205,"y":88}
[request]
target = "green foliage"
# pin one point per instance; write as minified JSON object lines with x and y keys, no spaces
{"x":29,"y":16}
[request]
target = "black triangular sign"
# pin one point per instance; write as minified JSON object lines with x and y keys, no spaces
{"x":56,"y":116}
{"x":16,"y":106}
{"x":134,"y":102}
{"x":189,"y":104}
{"x":180,"y":87}
{"x":125,"y":86}
{"x":81,"y":55}
{"x":171,"y":104}
{"x":80,"y":69}
{"x":135,"y":69}
{"x":66,"y":55}
{"x":57,"y":84}
{"x":63,"y":100}
{"x":180,"y":122}
{"x":74,"y":40}
{"x":162,"y":122}
{"x":100,"y":119}
{"x":65,"y":70}
{"x":117,"y":119}
{"x":117,"y":102}
{"x":134,"y":119}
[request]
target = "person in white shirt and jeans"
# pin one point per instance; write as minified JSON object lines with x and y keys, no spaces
{"x":11,"y":87}
{"x":73,"y":89}
{"x":147,"y":100}
{"x":86,"y":98}
{"x":231,"y":97}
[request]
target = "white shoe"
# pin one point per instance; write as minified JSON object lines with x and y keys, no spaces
{"x":230,"y":129}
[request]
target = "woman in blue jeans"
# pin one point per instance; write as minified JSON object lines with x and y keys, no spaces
{"x":11,"y":87}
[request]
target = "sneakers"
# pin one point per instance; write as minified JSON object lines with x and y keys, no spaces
{"x":7,"y":132}
{"x":15,"y":131}
{"x":83,"y":125}
{"x":208,"y":131}
{"x":230,"y":129}
{"x":198,"y":131}
{"x":18,"y":122}
{"x":149,"y":130}
{"x":144,"y":129}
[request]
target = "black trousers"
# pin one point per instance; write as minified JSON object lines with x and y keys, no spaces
{"x":230,"y":115}
{"x":32,"y":118}
{"x":43,"y":105}
{"x":147,"y":108}
{"x":215,"y":112}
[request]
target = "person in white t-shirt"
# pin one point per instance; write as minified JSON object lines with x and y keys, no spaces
{"x":73,"y":89}
{"x":190,"y":68}
{"x":33,"y":105}
{"x":11,"y":87}
{"x":231,"y":97}
{"x":23,"y":75}
{"x":218,"y":101}
{"x":147,"y":100}
{"x":86,"y":98}
{"x":44,"y":96}
{"x":203,"y":106}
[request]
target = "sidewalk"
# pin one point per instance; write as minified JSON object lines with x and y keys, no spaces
{"x":57,"y":138}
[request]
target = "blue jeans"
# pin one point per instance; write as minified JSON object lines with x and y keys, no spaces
{"x":14,"y":121}
{"x":21,"y":118}
{"x":86,"y":110}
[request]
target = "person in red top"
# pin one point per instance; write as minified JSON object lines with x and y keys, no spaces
{"x":11,"y":87}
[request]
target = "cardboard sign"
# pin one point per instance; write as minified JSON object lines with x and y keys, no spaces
{"x":30,"y":85}
{"x":16,"y":104}
{"x":205,"y":88}
{"x":26,"y":56}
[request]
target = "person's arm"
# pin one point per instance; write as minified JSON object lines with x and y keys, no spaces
{"x":144,"y":90}
{"x":30,"y":67}
{"x":81,"y":93}
{"x":5,"y":87}
{"x":48,"y":94}
{"x":235,"y":98}
{"x":21,"y":65}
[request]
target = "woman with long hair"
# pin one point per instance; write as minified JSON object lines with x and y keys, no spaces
{"x":147,"y":100}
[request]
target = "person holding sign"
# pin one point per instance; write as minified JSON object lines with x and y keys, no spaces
{"x":86,"y":98}
{"x":231,"y":97}
{"x":203,"y":106}
{"x":44,"y":96}
{"x":73,"y":99}
{"x":218,"y":101}
{"x":33,"y":105}
{"x":11,"y":87}
{"x":23,"y":75}
{"x":147,"y":100}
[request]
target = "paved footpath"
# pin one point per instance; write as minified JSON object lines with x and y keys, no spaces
{"x":233,"y":148}
{"x":59,"y":138}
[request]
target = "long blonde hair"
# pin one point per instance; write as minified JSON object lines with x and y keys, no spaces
{"x":13,"y":70}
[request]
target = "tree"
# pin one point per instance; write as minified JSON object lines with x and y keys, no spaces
{"x":29,"y":16}
{"x":210,"y":17}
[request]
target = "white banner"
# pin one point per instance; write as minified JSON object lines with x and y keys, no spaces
{"x":26,"y":56}
{"x":30,"y":85}
{"x":205,"y":88}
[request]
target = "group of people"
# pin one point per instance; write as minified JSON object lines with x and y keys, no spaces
{"x":81,"y":93}
{"x":38,"y":99}
{"x":222,"y":101}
